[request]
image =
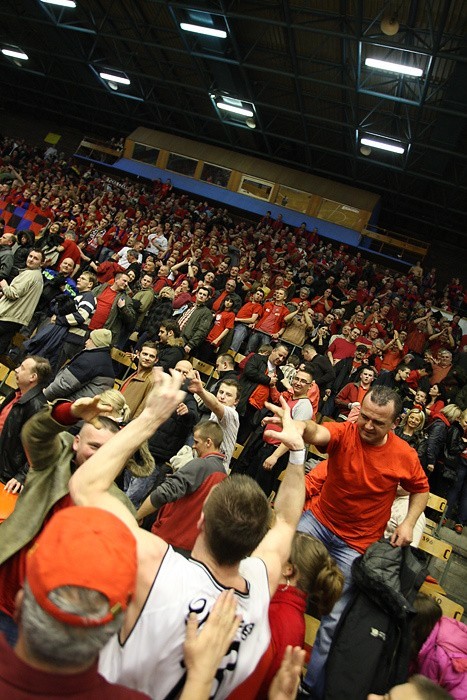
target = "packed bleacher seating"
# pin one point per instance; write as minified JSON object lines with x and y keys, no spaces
{"x":102,"y":280}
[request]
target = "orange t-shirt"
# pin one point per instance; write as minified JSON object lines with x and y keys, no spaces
{"x":356,"y":499}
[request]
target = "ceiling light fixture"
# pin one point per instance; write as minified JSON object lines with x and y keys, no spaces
{"x":15,"y":53}
{"x":61,"y":3}
{"x":235,"y":110}
{"x":393,"y":67}
{"x":199,"y":29}
{"x":115,"y":78}
{"x":382,"y":145}
{"x":389,"y":25}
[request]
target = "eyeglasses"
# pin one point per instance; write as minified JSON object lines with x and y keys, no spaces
{"x":299,"y":380}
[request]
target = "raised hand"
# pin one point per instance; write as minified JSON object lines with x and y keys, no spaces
{"x":195,"y":385}
{"x":89,"y":410}
{"x":164,"y":397}
{"x":292,"y":431}
{"x":285,"y":683}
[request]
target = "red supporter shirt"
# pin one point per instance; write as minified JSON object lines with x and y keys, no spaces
{"x":104,"y":304}
{"x":341,"y":348}
{"x":19,"y":680}
{"x":250,"y":308}
{"x":319,"y":307}
{"x":272,"y":319}
{"x":222,"y":320}
{"x":356,"y":499}
{"x":71,"y":251}
{"x":4,"y":413}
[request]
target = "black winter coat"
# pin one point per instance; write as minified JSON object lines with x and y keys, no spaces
{"x":172,"y":434}
{"x":437,"y":434}
{"x":254,"y":374}
{"x":13,"y":462}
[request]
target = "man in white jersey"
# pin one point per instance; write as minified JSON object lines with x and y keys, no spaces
{"x":148,"y":653}
{"x":223,"y":411}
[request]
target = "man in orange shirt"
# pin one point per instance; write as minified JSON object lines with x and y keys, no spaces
{"x":366,"y":463}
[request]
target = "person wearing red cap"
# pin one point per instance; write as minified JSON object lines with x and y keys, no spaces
{"x":235,"y":548}
{"x":80,"y":579}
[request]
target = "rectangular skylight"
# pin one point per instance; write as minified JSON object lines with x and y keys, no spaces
{"x":236,"y":110}
{"x":383,"y":145}
{"x":394,"y":67}
{"x":199,"y":29}
{"x":12,"y":53}
{"x":115,"y":78}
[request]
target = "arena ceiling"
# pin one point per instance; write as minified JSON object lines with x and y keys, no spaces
{"x":297,"y":65}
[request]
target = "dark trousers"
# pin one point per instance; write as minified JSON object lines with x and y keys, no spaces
{"x":7,"y":331}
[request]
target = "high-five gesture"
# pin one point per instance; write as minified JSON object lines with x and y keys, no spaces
{"x":291,"y":434}
{"x":164,"y":397}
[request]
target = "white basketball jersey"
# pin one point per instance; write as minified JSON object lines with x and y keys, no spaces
{"x":151,"y":659}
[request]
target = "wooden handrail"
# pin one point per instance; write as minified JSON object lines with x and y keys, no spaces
{"x":396,"y":243}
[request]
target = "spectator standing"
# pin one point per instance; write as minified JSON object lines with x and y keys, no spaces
{"x":246,"y":318}
{"x":261,"y":372}
{"x":368,"y":461}
{"x":7,"y":241}
{"x":19,"y":299}
{"x":271,"y":324}
{"x":178,"y":501}
{"x":351,"y":395}
{"x":114,"y":309}
{"x":138,"y":385}
{"x":170,"y":349}
{"x":195,"y":323}
{"x":223,"y":410}
{"x":19,"y":405}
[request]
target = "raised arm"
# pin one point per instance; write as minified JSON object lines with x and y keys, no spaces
{"x":209,"y":400}
{"x":90,"y":483}
{"x":275,"y":546}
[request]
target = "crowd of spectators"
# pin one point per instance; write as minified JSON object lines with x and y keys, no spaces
{"x":283,"y":316}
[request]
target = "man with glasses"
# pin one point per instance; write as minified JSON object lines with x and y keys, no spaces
{"x":265,"y":461}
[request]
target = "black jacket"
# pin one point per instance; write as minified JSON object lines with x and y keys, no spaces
{"x":437,"y":434}
{"x":170,"y":354}
{"x":254,"y":374}
{"x":323,"y":372}
{"x":172,"y":434}
{"x":454,"y":442}
{"x":13,"y":462}
{"x":345,"y":374}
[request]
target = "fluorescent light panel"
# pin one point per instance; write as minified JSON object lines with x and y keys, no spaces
{"x":61,"y":3}
{"x":12,"y":53}
{"x":382,"y":145}
{"x":236,"y":110}
{"x":115,"y":78}
{"x":394,"y":67}
{"x":199,"y":29}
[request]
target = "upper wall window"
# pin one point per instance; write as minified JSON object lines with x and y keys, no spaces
{"x":182,"y":164}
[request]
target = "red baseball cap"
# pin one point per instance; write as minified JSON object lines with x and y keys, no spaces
{"x":87,"y":548}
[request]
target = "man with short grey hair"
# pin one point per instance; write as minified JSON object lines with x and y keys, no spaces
{"x":366,"y":463}
{"x":70,"y":607}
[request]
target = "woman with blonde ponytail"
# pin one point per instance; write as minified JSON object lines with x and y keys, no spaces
{"x":310,"y":576}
